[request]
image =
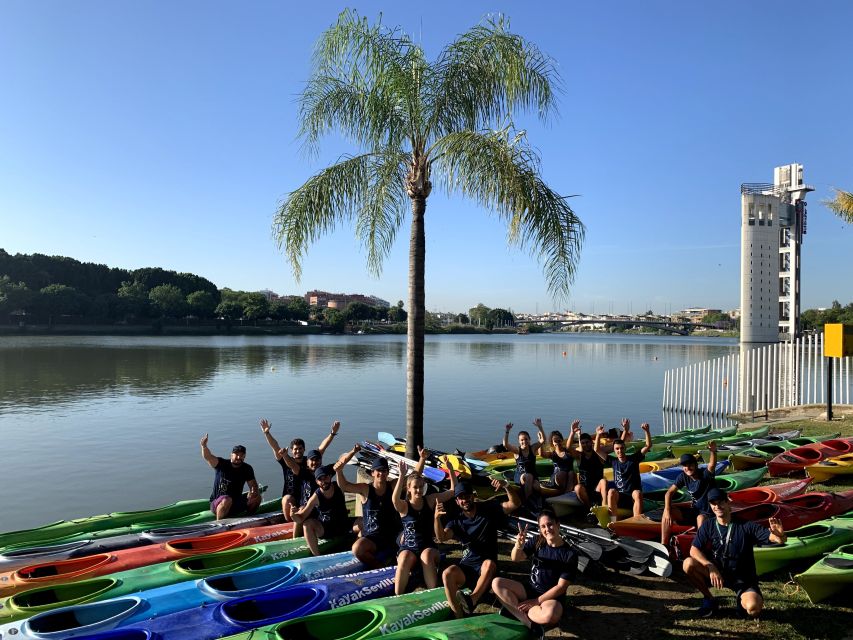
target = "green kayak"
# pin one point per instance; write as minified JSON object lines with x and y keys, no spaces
{"x":492,"y":626}
{"x":684,"y":433}
{"x":740,"y":479}
{"x":694,"y":440}
{"x":181,"y":513}
{"x":829,"y":575}
{"x":758,"y":455}
{"x":356,"y":620}
{"x":32,"y":601}
{"x":693,"y":446}
{"x":806,"y":542}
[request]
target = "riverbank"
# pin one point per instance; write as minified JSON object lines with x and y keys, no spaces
{"x":609,"y":605}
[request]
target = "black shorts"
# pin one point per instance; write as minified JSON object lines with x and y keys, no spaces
{"x":382,"y":541}
{"x":472,"y":572}
{"x":626,"y":501}
{"x":533,"y":593}
{"x":691,"y":514}
{"x":239,"y":505}
{"x":741,"y":586}
{"x":338,"y":528}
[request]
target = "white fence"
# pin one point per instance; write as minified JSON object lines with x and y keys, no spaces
{"x":786,"y":374}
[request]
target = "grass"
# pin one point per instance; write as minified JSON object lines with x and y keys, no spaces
{"x":608,"y":604}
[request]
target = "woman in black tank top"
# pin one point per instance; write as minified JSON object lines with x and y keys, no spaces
{"x":525,"y":458}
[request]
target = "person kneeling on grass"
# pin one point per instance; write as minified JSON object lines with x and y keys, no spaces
{"x":325,"y":515}
{"x":553,"y":564}
{"x":476,"y":527}
{"x":722,"y":557}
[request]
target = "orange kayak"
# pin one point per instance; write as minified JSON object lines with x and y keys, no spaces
{"x":62,"y":571}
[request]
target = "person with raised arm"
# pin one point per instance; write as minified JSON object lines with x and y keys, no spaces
{"x":628,"y":492}
{"x":416,"y":541}
{"x":380,"y":522}
{"x":525,"y":457}
{"x":476,"y":527}
{"x":294,"y":466}
{"x":325,"y":515}
{"x":698,"y":482}
{"x":591,"y":486}
{"x":540,"y":603}
{"x":227,"y":499}
{"x":563,"y":474}
{"x":722,"y":556}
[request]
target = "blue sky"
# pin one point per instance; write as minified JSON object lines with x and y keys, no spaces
{"x":164,"y":133}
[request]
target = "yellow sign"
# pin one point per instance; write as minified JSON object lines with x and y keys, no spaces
{"x":837,"y":340}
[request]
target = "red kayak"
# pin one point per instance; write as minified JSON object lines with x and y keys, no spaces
{"x":796,"y":459}
{"x":770,"y":493}
{"x":823,"y":502}
{"x":47,"y":573}
{"x":647,"y":526}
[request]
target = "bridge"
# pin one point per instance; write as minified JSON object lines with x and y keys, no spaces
{"x":671,"y":326}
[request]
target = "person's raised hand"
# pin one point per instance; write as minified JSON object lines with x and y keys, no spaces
{"x":335,"y":426}
{"x":645,"y":427}
{"x":265,"y":425}
{"x":402,"y":468}
{"x":712,"y":446}
{"x":600,"y":429}
{"x":204,"y":440}
{"x":626,"y":424}
{"x":576,"y":426}
{"x":521,"y":537}
{"x":508,"y":427}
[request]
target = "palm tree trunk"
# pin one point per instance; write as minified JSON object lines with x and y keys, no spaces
{"x":415,"y":342}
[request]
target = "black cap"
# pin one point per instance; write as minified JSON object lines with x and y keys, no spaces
{"x":715,"y":494}
{"x":379,"y":464}
{"x":686,"y":459}
{"x":325,"y":470}
{"x":238,"y":448}
{"x":313,"y":453}
{"x":462,"y":488}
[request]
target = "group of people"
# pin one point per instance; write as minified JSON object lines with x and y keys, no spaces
{"x":407,"y":518}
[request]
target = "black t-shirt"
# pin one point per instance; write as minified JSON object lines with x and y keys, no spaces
{"x":590,"y":470}
{"x":549,"y":564}
{"x":334,"y":509}
{"x":697,"y":487}
{"x":292,"y":482}
{"x":732,"y":553}
{"x":479,"y":533}
{"x":308,"y":484}
{"x":229,"y":479}
{"x":626,"y":474}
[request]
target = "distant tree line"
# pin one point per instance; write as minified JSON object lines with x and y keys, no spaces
{"x":814,"y":319}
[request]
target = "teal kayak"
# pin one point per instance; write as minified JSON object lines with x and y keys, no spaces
{"x":829,"y":575}
{"x":693,"y":445}
{"x":694,"y":440}
{"x":684,"y":433}
{"x":492,"y":626}
{"x":352,"y":619}
{"x":806,"y":542}
{"x":183,"y":513}
{"x":32,"y":601}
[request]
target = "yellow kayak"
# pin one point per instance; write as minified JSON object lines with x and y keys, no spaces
{"x":831,"y":468}
{"x":644,"y":467}
{"x":448,"y":461}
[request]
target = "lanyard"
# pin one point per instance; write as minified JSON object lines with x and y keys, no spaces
{"x":728,"y":537}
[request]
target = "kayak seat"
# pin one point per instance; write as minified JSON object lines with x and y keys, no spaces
{"x":62,"y":621}
{"x":838,"y":563}
{"x":44,"y":571}
{"x":331,"y":624}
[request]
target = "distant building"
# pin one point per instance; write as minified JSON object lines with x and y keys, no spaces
{"x":341,"y":300}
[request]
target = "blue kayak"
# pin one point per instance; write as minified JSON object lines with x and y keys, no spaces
{"x":98,"y":620}
{"x":662,"y":480}
{"x":180,"y":596}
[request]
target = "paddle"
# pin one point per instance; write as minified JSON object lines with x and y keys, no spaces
{"x":590,"y":549}
{"x":389,"y":439}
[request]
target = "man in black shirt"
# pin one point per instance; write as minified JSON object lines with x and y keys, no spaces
{"x":721,"y":556}
{"x":476,"y":527}
{"x":227,"y":498}
{"x":628,"y":493}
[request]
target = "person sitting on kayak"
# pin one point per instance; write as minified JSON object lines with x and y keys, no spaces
{"x":380,"y":523}
{"x":628,"y":492}
{"x":591,"y":486}
{"x":697,"y":482}
{"x":293,"y":466}
{"x":476,"y":527}
{"x":227,"y":499}
{"x":563,"y":474}
{"x":722,"y":556}
{"x":540,"y":603}
{"x":525,"y":458}
{"x":416,"y":541}
{"x":325,"y":515}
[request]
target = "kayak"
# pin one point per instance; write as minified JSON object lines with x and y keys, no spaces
{"x":684,"y":433}
{"x":78,"y":545}
{"x":768,"y":493}
{"x":758,"y":455}
{"x":810,"y":541}
{"x":358,"y":620}
{"x":661,"y":480}
{"x":645,"y":467}
{"x":647,"y":526}
{"x":101,"y":564}
{"x":492,"y":626}
{"x":740,"y":479}
{"x":831,"y":468}
{"x":829,"y":575}
{"x":691,"y":445}
{"x":208,"y":622}
{"x":389,"y":439}
{"x":698,"y":439}
{"x":181,"y":595}
{"x":157,"y":575}
{"x":370,"y":451}
{"x":183,"y":512}
{"x":796,"y":459}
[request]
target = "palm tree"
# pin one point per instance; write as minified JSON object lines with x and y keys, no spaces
{"x":415,"y":122}
{"x":842,"y":205}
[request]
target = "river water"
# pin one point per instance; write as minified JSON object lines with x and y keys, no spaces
{"x":97,"y":424}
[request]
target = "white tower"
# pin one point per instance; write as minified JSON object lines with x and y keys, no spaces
{"x":773,"y":220}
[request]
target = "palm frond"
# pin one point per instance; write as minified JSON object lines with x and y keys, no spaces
{"x":359,"y":187}
{"x":499,"y":170}
{"x":842,"y":205}
{"x":488,"y":73}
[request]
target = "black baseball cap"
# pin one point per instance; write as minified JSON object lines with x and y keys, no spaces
{"x":686,"y":459}
{"x":238,"y":448}
{"x":463,"y":488}
{"x":313,"y":453}
{"x":325,"y":470}
{"x":379,"y":464}
{"x":714,"y":494}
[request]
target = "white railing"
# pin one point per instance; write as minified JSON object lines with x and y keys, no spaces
{"x":786,"y":374}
